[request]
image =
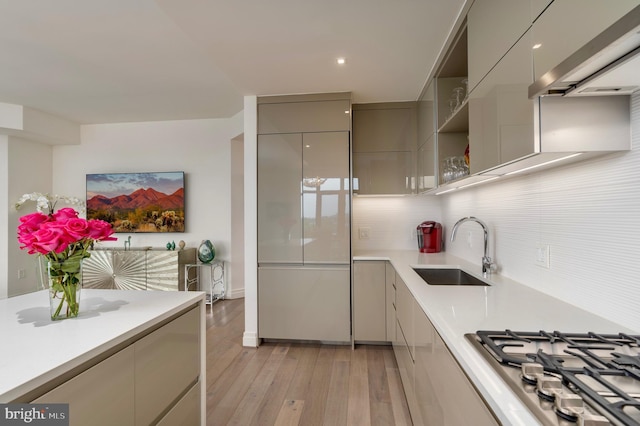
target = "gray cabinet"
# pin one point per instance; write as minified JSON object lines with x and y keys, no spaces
{"x":390,"y":285}
{"x":384,"y":147}
{"x":304,"y":303}
{"x":136,"y":269}
{"x":441,"y":385}
{"x":101,"y":395}
{"x":493,"y":27}
{"x":509,"y":132}
{"x":555,"y":42}
{"x":438,"y":391}
{"x":304,"y":218}
{"x":167,"y":364}
{"x":369,"y":301}
{"x":303,"y":198}
{"x":156,"y":378}
{"x":403,"y":346}
{"x":302,"y":114}
{"x":500,"y":112}
{"x":506,"y":132}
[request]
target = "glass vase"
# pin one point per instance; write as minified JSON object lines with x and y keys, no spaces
{"x":64,"y":282}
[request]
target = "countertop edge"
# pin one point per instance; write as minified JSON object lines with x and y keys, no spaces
{"x":77,"y":359}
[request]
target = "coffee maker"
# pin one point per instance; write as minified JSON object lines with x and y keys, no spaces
{"x":429,"y":237}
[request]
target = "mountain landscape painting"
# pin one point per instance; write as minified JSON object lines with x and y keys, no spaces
{"x":137,"y":202}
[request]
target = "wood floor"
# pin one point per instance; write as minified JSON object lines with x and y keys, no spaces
{"x":297,"y":384}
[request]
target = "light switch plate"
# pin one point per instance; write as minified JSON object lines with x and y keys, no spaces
{"x":364,"y":233}
{"x":543,"y":256}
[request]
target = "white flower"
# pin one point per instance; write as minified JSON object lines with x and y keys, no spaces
{"x":45,"y":203}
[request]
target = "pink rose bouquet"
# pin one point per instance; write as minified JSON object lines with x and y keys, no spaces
{"x":63,"y":239}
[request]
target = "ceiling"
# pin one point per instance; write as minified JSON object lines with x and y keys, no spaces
{"x":93,"y":61}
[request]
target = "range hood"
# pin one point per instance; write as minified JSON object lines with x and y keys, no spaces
{"x":607,"y":65}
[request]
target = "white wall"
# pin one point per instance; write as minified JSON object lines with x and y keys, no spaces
{"x":200,"y":148}
{"x":29,"y":168}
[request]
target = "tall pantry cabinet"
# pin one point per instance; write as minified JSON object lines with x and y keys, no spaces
{"x":304,"y":209}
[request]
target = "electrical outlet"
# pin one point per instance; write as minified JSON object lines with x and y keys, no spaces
{"x":543,"y":256}
{"x":364,"y":233}
{"x":22,"y":274}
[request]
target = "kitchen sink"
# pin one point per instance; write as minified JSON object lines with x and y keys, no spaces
{"x":448,"y":276}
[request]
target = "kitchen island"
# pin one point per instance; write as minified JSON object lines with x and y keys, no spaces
{"x":505,"y":304}
{"x":148,"y":346}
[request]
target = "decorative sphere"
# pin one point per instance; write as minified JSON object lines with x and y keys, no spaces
{"x":206,"y":251}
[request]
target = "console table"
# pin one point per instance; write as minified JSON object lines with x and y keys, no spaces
{"x":136,"y":269}
{"x":216,"y":290}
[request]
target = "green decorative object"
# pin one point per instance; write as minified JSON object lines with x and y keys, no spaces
{"x":206,"y":251}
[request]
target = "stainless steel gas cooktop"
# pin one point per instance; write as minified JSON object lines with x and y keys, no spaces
{"x":568,"y":378}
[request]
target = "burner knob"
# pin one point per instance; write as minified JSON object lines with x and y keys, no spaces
{"x":531,"y":371}
{"x":548,"y":387}
{"x":569,"y":404}
{"x":588,"y":419}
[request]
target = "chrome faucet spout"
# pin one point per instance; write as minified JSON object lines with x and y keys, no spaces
{"x":487,"y":265}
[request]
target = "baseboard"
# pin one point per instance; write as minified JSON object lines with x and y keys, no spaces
{"x":235,"y":294}
{"x":250,"y":339}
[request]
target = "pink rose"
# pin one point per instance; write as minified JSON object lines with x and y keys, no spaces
{"x":100,"y":230}
{"x":31,"y":222}
{"x":27,"y":241}
{"x":77,"y":228}
{"x":50,"y":238}
{"x":65,"y":214}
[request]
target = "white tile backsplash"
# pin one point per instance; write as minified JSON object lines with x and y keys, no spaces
{"x":588,"y":213}
{"x":392,"y":221}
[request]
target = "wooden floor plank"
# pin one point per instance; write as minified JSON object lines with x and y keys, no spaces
{"x":316,"y":395}
{"x":290,"y":413}
{"x":379,"y":395}
{"x":271,"y":403}
{"x":358,"y":411}
{"x":290,"y":383}
{"x":249,"y":405}
{"x":335,"y":412}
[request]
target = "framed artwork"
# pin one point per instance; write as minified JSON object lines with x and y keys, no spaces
{"x":138,"y":202}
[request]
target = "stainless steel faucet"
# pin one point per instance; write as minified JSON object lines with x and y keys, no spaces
{"x":487,"y":265}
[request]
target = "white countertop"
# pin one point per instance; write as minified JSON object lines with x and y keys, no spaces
{"x":506,"y":304}
{"x":35,"y":349}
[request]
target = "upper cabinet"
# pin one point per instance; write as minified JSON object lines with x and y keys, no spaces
{"x":500,"y":112}
{"x":507,"y":44}
{"x":553,"y":39}
{"x":384,"y":148}
{"x":300,"y":114}
{"x":493,"y":26}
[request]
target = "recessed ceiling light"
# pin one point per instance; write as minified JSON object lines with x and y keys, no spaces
{"x":341,"y":61}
